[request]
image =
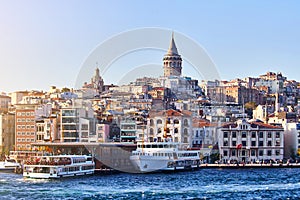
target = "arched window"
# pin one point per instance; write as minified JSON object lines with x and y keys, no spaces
{"x":176,"y":121}
{"x":185,"y":122}
{"x":176,"y":130}
{"x":159,"y":121}
{"x":151,"y":131}
{"x":185,"y":140}
{"x":151,"y":122}
{"x":159,"y":130}
{"x":185,"y":131}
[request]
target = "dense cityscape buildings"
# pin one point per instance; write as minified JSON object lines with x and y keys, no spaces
{"x":247,"y":119}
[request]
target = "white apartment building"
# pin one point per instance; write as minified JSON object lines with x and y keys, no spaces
{"x":250,"y":141}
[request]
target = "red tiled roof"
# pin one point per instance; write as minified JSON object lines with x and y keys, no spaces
{"x":171,"y":112}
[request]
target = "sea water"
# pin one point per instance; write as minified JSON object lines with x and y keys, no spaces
{"x":201,"y":184}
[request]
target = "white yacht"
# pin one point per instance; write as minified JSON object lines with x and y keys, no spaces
{"x":58,"y":166}
{"x":9,"y":165}
{"x":164,"y":156}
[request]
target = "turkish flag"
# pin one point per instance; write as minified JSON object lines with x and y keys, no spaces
{"x":239,"y":146}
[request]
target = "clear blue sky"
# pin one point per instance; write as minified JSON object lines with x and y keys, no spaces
{"x":44,"y":43}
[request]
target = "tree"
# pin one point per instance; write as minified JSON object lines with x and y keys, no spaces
{"x":249,"y":107}
{"x":65,"y":89}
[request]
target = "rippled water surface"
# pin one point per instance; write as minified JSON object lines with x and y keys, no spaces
{"x":202,"y":184}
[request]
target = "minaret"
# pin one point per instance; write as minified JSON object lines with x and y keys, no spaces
{"x":172,"y":60}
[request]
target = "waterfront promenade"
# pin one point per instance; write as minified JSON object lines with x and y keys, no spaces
{"x":252,"y":165}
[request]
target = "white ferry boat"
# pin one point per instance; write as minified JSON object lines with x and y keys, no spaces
{"x":58,"y":166}
{"x":164,"y":156}
{"x":9,"y":165}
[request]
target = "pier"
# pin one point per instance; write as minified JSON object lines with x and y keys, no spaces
{"x":254,"y":165}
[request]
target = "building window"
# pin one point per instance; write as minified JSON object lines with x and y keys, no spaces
{"x":233,"y":134}
{"x":185,"y":140}
{"x":253,"y":143}
{"x":253,"y":135}
{"x":269,"y":143}
{"x":225,"y":153}
{"x":159,"y":130}
{"x":269,"y":152}
{"x":277,"y":143}
{"x":269,"y":134}
{"x":225,"y":134}
{"x":244,"y":143}
{"x":261,"y":152}
{"x":261,"y":143}
{"x":244,"y":134}
{"x":233,"y":152}
{"x":176,"y":121}
{"x":261,"y":134}
{"x":225,"y":143}
{"x":151,"y":122}
{"x":185,"y":131}
{"x":185,"y":122}
{"x":151,"y":131}
{"x":277,"y":152}
{"x":167,"y":130}
{"x":176,"y":131}
{"x":252,"y":152}
{"x":84,"y":127}
{"x":243,"y":153}
{"x":233,"y":143}
{"x":277,"y":134}
{"x":159,"y":121}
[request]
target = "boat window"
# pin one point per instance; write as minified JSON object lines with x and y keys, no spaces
{"x":154,"y":145}
{"x":160,"y":146}
{"x":148,"y":146}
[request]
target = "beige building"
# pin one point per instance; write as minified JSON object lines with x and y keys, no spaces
{"x":5,"y":101}
{"x":171,"y":125}
{"x":7,"y":133}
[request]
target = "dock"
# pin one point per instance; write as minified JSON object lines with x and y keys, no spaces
{"x":254,"y":165}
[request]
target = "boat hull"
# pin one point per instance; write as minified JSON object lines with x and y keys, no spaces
{"x":146,"y":164}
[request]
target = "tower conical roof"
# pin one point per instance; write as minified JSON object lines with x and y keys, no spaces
{"x":172,"y":49}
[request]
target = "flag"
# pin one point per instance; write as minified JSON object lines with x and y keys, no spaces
{"x":239,"y":146}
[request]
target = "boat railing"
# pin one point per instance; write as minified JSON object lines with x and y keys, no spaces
{"x":48,"y":162}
